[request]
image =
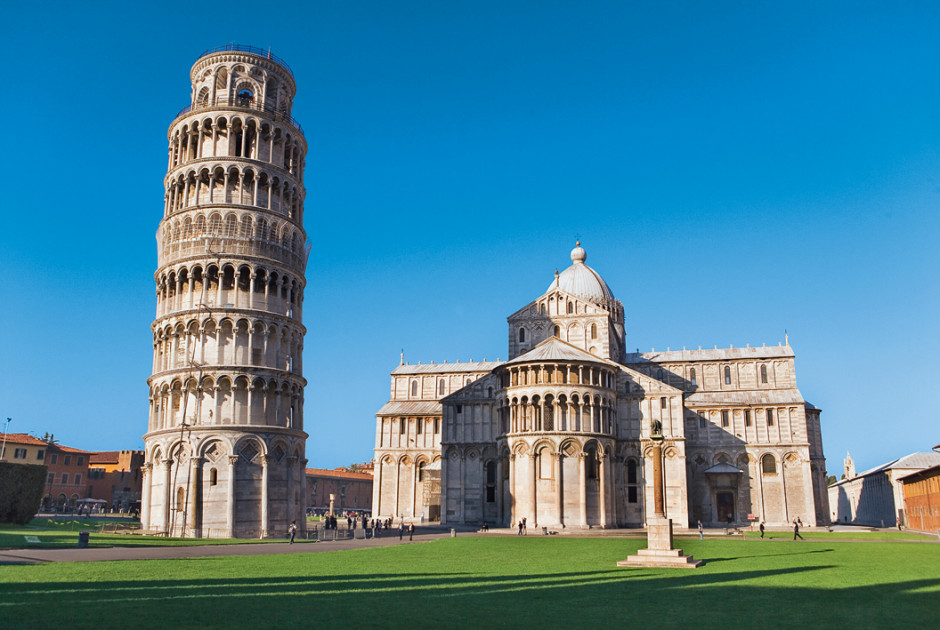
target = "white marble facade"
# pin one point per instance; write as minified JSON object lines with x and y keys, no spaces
{"x":559,"y":433}
{"x":225,"y":440}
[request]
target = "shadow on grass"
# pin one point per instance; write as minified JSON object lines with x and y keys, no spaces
{"x":767,"y":555}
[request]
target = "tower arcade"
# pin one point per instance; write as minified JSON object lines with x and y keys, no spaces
{"x":225,"y":438}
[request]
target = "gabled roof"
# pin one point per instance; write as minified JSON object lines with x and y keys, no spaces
{"x":723,"y":468}
{"x":554,"y":349}
{"x":104,"y":457}
{"x":338,"y":474}
{"x":410,"y":408}
{"x":711,"y":354}
{"x":914,"y":461}
{"x":745,"y":397}
{"x":24,"y":438}
{"x":446,"y":368}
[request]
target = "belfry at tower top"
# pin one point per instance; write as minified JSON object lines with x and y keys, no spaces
{"x":582,"y":281}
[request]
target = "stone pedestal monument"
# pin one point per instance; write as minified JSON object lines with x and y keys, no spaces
{"x":659,"y":551}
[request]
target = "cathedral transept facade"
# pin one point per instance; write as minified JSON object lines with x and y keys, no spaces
{"x":559,"y":433}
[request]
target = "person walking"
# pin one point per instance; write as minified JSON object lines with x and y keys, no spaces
{"x":701,"y":531}
{"x":401,"y":530}
{"x":796,"y":530}
{"x":525,"y":531}
{"x":520,"y":528}
{"x":292,"y":531}
{"x":762,"y":529}
{"x":411,"y":532}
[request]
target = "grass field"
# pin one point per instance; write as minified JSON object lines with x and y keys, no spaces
{"x":505,"y":582}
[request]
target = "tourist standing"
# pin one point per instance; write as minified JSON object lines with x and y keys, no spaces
{"x":701,"y":531}
{"x":762,"y":529}
{"x":292,"y":531}
{"x":796,"y":530}
{"x":520,"y":528}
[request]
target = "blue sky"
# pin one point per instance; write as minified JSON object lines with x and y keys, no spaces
{"x":734,"y":170}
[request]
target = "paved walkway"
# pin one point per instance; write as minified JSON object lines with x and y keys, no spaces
{"x":92,"y":554}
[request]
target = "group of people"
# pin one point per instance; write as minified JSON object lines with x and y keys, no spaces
{"x":523,"y":531}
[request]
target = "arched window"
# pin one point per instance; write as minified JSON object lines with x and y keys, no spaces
{"x":440,"y":387}
{"x":570,"y":307}
{"x":770,"y":417}
{"x":213,"y":477}
{"x":662,"y":402}
{"x":593,"y":331}
{"x":421,"y":471}
{"x":763,"y":374}
{"x":768,"y":464}
{"x":632,"y":488}
{"x":747,"y":417}
{"x":727,"y":375}
{"x":414,"y":388}
{"x":542,"y":308}
{"x":692,"y":377}
{"x":659,"y":374}
{"x":724,"y":418}
{"x":556,"y":331}
{"x":491,"y":482}
{"x":522,"y":334}
{"x":591,"y":463}
{"x":180,"y":498}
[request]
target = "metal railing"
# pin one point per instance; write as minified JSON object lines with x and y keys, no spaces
{"x":254,"y":50}
{"x":242,"y":103}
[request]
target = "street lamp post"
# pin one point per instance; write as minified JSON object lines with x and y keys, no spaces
{"x":3,"y":449}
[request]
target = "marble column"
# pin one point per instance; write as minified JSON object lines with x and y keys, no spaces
{"x":146,"y":483}
{"x":230,"y":514}
{"x":265,"y":465}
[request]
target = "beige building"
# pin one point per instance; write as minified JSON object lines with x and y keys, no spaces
{"x":225,"y":440}
{"x":876,"y":497}
{"x":559,"y":433}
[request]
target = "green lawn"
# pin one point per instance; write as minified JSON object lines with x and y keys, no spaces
{"x":487,"y":583}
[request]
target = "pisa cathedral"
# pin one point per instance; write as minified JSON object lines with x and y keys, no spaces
{"x":225,"y":441}
{"x":559,"y":433}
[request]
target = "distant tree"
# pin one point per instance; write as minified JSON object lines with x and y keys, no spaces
{"x":831,"y":479}
{"x":49,"y":438}
{"x":352,"y":468}
{"x":842,"y":477}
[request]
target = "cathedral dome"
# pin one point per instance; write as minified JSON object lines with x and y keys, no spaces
{"x":581,"y":281}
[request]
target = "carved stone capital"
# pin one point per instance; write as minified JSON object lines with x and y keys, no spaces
{"x":232,"y":460}
{"x":266,"y":459}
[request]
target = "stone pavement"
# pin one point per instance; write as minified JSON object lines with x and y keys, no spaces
{"x":93,"y":554}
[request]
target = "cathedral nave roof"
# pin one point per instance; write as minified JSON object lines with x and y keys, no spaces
{"x":760,"y":397}
{"x":410,"y":408}
{"x":554,"y":349}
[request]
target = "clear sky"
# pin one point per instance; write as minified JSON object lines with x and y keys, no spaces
{"x":734,"y":170}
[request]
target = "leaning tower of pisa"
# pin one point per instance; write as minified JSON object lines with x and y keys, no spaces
{"x":225,"y":440}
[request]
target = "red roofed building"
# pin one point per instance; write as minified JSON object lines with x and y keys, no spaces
{"x":114,"y":476}
{"x":352,"y":491}
{"x":67,"y":477}
{"x":22,"y":448}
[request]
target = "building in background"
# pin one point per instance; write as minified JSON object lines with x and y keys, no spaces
{"x":352,"y":491}
{"x":23,"y":448}
{"x":66,"y":478}
{"x":559,"y":433}
{"x":876,"y":497}
{"x":114,"y":477}
{"x":225,"y":440}
{"x":922,"y":499}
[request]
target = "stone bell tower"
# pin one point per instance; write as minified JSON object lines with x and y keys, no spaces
{"x":225,"y":440}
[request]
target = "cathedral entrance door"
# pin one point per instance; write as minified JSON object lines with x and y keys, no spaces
{"x":725,"y":504}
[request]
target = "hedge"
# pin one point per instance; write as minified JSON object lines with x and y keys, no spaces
{"x":21,"y":488}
